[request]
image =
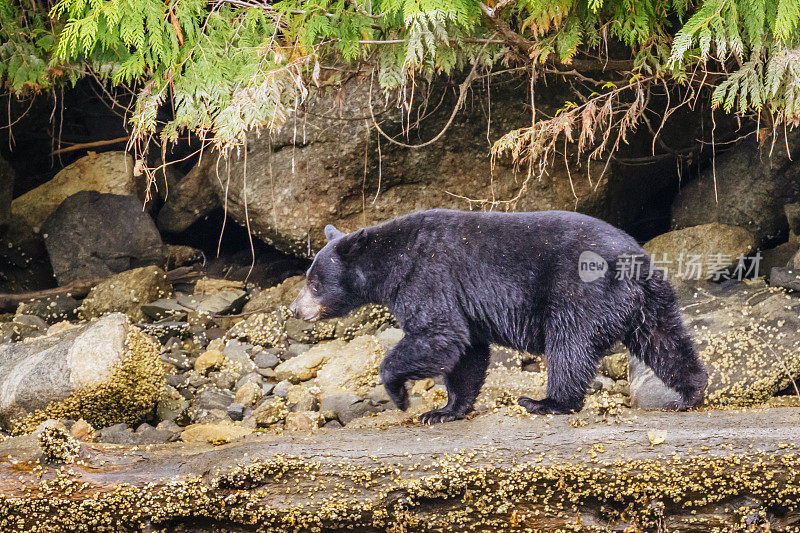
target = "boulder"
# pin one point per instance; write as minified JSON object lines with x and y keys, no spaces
{"x":109,"y":172}
{"x":306,"y":365}
{"x":105,"y":372}
{"x":788,"y":278}
{"x":714,"y":247}
{"x":192,"y":198}
{"x":353,"y":368}
{"x":746,"y":335}
{"x":6,"y":193}
{"x":332,"y":169}
{"x":345,"y":407}
{"x":93,"y":235}
{"x":126,"y":293}
{"x":747,"y":187}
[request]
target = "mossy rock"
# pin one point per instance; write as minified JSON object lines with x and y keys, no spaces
{"x":106,"y":372}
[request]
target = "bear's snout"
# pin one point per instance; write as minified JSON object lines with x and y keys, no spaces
{"x":306,"y":306}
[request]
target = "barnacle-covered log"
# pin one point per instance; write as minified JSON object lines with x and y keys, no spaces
{"x":697,"y":471}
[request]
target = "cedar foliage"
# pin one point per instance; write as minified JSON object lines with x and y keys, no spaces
{"x":226,"y":66}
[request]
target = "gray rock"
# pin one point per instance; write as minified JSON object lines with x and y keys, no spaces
{"x":239,"y":353}
{"x":116,"y":434}
{"x":266,"y":359}
{"x":282,"y":388}
{"x":345,"y":407}
{"x":295,"y":349}
{"x":788,"y":278}
{"x":52,"y":308}
{"x":225,"y":301}
{"x":747,"y":186}
{"x":172,"y":405}
{"x":93,"y":235}
{"x":192,"y":198}
{"x":32,"y":321}
{"x":746,"y":336}
{"x":389,"y":337}
{"x":52,"y":368}
{"x":107,"y":172}
{"x":379,"y":396}
{"x":647,"y":390}
{"x":126,"y":292}
{"x":176,"y":380}
{"x":212,"y":398}
{"x":164,"y":308}
{"x":333,"y":424}
{"x":235,"y":411}
{"x":707,"y":241}
{"x":291,"y":213}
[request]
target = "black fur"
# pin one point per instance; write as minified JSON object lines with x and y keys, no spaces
{"x":458,"y":281}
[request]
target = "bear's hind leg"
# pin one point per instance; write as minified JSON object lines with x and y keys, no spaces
{"x":463,"y":386}
{"x":570,"y":370}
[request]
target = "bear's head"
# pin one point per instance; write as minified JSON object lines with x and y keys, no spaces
{"x":335,"y":283}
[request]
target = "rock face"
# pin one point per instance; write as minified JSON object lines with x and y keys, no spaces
{"x":325,"y":166}
{"x":705,"y":242}
{"x":6,"y":193}
{"x":109,"y":172}
{"x":126,"y":292}
{"x":747,"y":188}
{"x":192,"y":198}
{"x":94,"y":235}
{"x":104,"y":372}
{"x":746,"y":335}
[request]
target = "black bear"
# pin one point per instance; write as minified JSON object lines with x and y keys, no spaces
{"x":550,"y":282}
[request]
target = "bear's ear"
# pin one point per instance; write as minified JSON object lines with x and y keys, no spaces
{"x":352,"y":244}
{"x":332,"y":233}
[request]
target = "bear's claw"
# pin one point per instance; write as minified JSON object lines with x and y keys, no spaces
{"x":438,"y":416}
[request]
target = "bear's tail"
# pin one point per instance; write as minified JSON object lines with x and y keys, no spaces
{"x":659,"y":339}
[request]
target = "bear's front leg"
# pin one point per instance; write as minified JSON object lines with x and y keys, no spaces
{"x":415,"y":357}
{"x":463,"y":384}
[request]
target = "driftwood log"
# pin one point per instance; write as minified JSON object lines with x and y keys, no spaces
{"x":80,"y":288}
{"x":637,"y":471}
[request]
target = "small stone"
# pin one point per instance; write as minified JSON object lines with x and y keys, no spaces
{"x":266,"y":359}
{"x":333,"y":424}
{"x":270,"y":411}
{"x":171,"y":405}
{"x":282,"y":388}
{"x":82,"y":431}
{"x":304,"y":421}
{"x":235,"y":411}
{"x":295,"y":349}
{"x":209,"y":360}
{"x":248,"y":394}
